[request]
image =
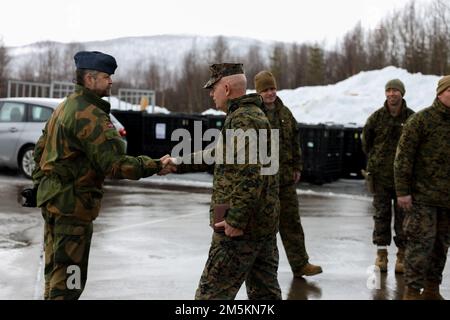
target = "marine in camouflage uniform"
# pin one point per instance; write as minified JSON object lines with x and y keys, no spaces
{"x":379,"y":141}
{"x":251,"y":254}
{"x":291,"y":230}
{"x":79,"y":147}
{"x":422,"y":171}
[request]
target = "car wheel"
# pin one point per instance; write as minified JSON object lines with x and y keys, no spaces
{"x":26,"y":161}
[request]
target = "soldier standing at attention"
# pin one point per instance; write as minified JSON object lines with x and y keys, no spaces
{"x":245,"y":249}
{"x":291,"y":230}
{"x":79,"y":147}
{"x":422,"y":182}
{"x":379,"y":141}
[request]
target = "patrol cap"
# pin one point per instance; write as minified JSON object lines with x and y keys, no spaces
{"x":396,"y":84}
{"x":220,"y":70}
{"x":443,"y":84}
{"x":95,"y":60}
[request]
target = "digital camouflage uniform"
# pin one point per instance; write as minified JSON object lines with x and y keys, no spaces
{"x":379,"y":141}
{"x":254,"y":207}
{"x":422,"y":170}
{"x":79,"y":147}
{"x":291,"y":230}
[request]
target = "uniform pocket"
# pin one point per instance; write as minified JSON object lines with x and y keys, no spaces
{"x":71,"y":241}
{"x":419,"y":222}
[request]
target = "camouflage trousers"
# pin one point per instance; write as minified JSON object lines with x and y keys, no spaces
{"x":291,"y":230}
{"x":232,"y":261}
{"x":428,"y":238}
{"x":67,"y":242}
{"x":383,"y":200}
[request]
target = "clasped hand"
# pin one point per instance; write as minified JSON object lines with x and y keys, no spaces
{"x":168,"y":165}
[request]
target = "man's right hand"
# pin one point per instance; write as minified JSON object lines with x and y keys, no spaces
{"x":405,"y":202}
{"x":168,"y":165}
{"x":229,"y":230}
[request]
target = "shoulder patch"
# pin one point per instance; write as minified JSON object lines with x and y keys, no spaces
{"x":110,"y":125}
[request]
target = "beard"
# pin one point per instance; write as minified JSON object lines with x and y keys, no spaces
{"x":103,"y":92}
{"x":394,"y":101}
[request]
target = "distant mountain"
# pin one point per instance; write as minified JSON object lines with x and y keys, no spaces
{"x":130,"y":52}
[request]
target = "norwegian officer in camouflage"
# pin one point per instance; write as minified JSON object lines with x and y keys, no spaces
{"x":79,"y":147}
{"x":246,"y":250}
{"x":379,"y":141}
{"x":291,"y":230}
{"x":422,"y":171}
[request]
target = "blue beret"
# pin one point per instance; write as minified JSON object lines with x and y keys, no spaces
{"x":95,"y":60}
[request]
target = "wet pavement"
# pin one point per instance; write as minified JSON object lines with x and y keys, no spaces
{"x":152,"y":237}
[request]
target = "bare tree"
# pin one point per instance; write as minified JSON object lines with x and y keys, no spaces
{"x":439,"y":37}
{"x":48,"y":62}
{"x":4,"y":72}
{"x":166,"y":84}
{"x":377,"y":47}
{"x":28,"y":71}
{"x":298,"y":60}
{"x":333,"y":71}
{"x":412,"y":36}
{"x":253,"y":63}
{"x":153,"y":76}
{"x":193,"y":76}
{"x":219,"y":51}
{"x":66,"y":70}
{"x":353,"y":51}
{"x":279,"y":65}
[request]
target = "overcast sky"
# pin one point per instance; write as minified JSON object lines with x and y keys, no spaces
{"x":23,"y":22}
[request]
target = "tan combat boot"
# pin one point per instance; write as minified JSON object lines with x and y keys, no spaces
{"x":411,"y":294}
{"x":382,"y":260}
{"x":399,"y":264}
{"x":308,"y":270}
{"x":431,"y":291}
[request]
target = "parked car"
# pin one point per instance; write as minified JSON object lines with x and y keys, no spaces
{"x":21,"y":124}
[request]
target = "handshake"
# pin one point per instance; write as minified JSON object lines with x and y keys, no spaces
{"x":169,"y":165}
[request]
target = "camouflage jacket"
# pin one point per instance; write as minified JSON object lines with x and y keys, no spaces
{"x":379,"y":142}
{"x":290,"y":151}
{"x":252,"y":197}
{"x":79,"y":147}
{"x":422,"y":162}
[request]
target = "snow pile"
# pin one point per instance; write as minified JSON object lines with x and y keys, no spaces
{"x":213,"y":112}
{"x":354,"y":99}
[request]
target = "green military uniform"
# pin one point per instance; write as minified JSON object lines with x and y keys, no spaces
{"x":291,"y":230}
{"x":379,"y":141}
{"x":422,"y":170}
{"x":78,"y":149}
{"x":254,"y":207}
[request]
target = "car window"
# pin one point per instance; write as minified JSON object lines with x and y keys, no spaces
{"x":40,"y":114}
{"x":12,"y":112}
